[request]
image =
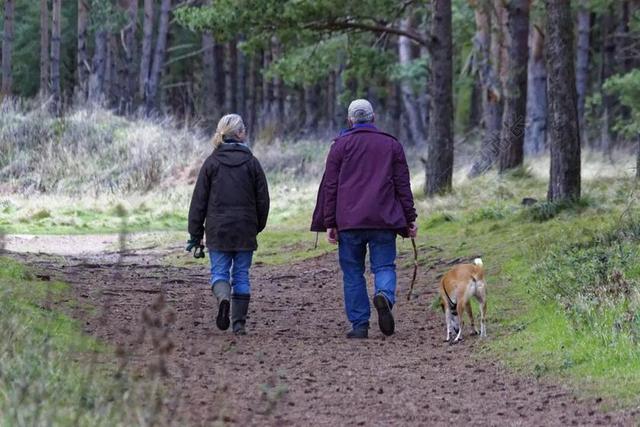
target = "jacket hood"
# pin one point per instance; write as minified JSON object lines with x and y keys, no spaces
{"x":233,"y":154}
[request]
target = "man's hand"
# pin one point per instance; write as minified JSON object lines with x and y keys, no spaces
{"x":192,"y":243}
{"x":413,"y":230}
{"x":332,"y":236}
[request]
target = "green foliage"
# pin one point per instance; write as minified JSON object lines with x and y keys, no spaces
{"x":627,"y":88}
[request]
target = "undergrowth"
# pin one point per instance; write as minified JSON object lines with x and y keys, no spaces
{"x":49,"y":369}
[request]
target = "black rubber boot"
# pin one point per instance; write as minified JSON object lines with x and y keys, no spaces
{"x":385,"y":318}
{"x":239,"y":309}
{"x":222,"y":292}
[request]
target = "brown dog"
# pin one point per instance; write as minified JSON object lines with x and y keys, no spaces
{"x":457,"y":287}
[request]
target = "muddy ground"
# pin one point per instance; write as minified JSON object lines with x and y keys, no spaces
{"x":296,"y":367}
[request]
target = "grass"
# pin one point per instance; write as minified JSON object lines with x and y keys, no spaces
{"x":524,"y":248}
{"x":582,"y":336}
{"x":49,"y":374}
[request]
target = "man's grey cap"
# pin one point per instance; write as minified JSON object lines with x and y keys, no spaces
{"x":360,"y":110}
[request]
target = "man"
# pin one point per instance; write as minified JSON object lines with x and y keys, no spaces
{"x":365,"y":200}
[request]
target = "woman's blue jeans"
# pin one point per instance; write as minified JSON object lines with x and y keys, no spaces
{"x":233,"y":268}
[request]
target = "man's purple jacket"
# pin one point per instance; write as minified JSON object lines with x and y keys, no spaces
{"x":366,"y":184}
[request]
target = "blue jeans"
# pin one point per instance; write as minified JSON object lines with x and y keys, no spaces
{"x":233,"y":268}
{"x":352,"y":250}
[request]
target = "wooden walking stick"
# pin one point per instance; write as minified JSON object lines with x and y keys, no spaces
{"x":415,"y":267}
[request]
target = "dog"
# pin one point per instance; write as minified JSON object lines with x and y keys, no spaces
{"x":457,"y":287}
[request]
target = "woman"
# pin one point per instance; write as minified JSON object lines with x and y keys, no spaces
{"x":230,"y":203}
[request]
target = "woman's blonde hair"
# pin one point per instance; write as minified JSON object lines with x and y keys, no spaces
{"x":230,"y":125}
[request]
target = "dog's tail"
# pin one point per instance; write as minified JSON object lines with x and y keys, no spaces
{"x":478,"y":262}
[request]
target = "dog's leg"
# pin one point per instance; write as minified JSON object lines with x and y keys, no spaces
{"x":460,"y":309}
{"x":447,"y":319}
{"x":481,"y":296}
{"x":483,"y":312}
{"x":474,"y":331}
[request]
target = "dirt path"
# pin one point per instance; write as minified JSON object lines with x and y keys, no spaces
{"x":295,"y":367}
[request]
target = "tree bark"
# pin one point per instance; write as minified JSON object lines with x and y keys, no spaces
{"x":151,"y":94}
{"x":439,"y":162}
{"x":416,"y":126}
{"x":129,"y":66}
{"x":564,"y":135}
{"x":515,"y":106}
{"x":147,"y":44}
{"x":56,"y":15}
{"x":535,"y":139}
{"x":82,"y":58}
{"x":44,"y":48}
{"x":7,"y":46}
{"x":582,"y":61}
{"x":487,"y":47}
{"x":98,"y":67}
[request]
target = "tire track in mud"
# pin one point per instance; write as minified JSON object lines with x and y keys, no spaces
{"x":295,"y":367}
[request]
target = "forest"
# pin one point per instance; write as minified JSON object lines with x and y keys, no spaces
{"x":520,"y":122}
{"x":487,"y":77}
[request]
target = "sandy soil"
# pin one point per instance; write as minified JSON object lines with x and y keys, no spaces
{"x":296,"y":367}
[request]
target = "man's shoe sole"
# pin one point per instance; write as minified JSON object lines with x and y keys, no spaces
{"x":385,"y":318}
{"x":222,"y":321}
{"x":358,"y":335}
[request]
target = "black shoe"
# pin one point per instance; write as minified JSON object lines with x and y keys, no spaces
{"x":222,"y":320}
{"x":358,"y":333}
{"x":385,"y":318}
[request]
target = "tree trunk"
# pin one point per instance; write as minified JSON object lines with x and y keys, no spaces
{"x":311,"y":108}
{"x":535,"y":139}
{"x":564,"y":135}
{"x":209,"y":106}
{"x":56,"y":15}
{"x":487,"y":47}
{"x":231,"y":71}
{"x":278,"y":86}
{"x":582,"y":61}
{"x":129,"y":66}
{"x":241,"y":97}
{"x":515,"y":106}
{"x":82,"y":58}
{"x":220,"y":78}
{"x":147,"y":43}
{"x":411,"y":106}
{"x":253,"y":92}
{"x":607,"y":70}
{"x":439,"y":163}
{"x":44,"y":48}
{"x":267,"y":89}
{"x":151,"y":95}
{"x":98,"y":67}
{"x":7,"y":46}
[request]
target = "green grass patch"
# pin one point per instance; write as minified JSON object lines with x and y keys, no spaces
{"x":49,"y":374}
{"x":564,"y":284}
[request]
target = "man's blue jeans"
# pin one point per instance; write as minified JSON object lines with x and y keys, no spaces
{"x":352,"y":249}
{"x":233,"y":268}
